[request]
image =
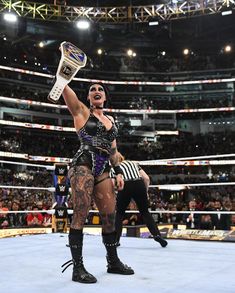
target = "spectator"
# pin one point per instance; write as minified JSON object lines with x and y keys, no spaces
{"x":206,"y":222}
{"x":222,"y":221}
{"x":16,"y":219}
{"x":47,"y":220}
{"x":35,"y":219}
{"x":3,"y":217}
{"x":192,"y":220}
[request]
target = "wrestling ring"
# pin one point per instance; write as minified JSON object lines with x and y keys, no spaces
{"x":31,"y":261}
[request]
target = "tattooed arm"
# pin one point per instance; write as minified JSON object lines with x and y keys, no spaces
{"x":114,"y":160}
{"x":114,"y":156}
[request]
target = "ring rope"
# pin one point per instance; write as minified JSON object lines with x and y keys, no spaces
{"x":126,"y":111}
{"x":153,"y":162}
{"x":51,"y":189}
{"x":172,"y":83}
{"x":186,"y":161}
{"x":68,"y":129}
{"x":70,"y":211}
{"x":34,"y":158}
{"x":38,"y":126}
{"x":26,"y":212}
{"x":160,"y":186}
{"x":48,"y":167}
{"x":184,"y":185}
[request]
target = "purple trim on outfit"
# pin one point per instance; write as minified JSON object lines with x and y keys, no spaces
{"x":95,"y":145}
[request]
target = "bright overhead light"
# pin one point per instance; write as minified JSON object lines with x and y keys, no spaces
{"x":99,"y":51}
{"x":83,"y":24}
{"x":10,"y":17}
{"x":153,"y":23}
{"x":227,"y":48}
{"x":227,"y":12}
{"x":186,"y":51}
{"x":129,"y":52}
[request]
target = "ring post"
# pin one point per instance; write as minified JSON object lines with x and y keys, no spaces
{"x":61,"y":183}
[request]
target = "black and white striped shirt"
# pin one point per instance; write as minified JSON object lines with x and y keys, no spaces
{"x":130,"y":170}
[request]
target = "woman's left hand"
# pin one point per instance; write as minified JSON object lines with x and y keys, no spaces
{"x":119,"y":182}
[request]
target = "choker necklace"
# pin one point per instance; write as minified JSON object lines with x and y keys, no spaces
{"x":97,"y":107}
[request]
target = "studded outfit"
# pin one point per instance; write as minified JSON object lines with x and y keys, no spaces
{"x":95,"y":145}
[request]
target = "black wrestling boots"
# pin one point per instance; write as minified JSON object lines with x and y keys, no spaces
{"x":115,"y":266}
{"x":162,"y":241}
{"x":80,"y":274}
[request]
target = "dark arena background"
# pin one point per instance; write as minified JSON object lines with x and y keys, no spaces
{"x":169,"y":67}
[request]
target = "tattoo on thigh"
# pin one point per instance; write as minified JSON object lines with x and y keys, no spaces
{"x":108,"y":222}
{"x":82,"y":183}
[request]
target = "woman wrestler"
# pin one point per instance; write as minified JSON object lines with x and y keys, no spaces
{"x":89,"y":178}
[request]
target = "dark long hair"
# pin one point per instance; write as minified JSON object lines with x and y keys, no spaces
{"x":107,"y":103}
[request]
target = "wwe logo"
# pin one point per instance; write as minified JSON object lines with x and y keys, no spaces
{"x":60,"y":213}
{"x":61,"y":171}
{"x":62,"y":188}
{"x":67,"y":70}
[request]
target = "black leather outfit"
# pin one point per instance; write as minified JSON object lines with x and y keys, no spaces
{"x":95,"y":145}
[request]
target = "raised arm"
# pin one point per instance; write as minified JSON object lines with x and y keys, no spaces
{"x":75,"y":106}
{"x":79,"y":111}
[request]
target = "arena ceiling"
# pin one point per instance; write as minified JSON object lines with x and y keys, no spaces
{"x":204,"y":34}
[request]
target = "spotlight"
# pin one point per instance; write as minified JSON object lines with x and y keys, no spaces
{"x":227,"y":12}
{"x":186,"y":51}
{"x":151,"y":23}
{"x":83,"y":24}
{"x":227,"y":49}
{"x":129,"y":52}
{"x":10,"y":17}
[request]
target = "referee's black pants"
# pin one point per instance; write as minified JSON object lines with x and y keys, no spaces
{"x":135,"y":190}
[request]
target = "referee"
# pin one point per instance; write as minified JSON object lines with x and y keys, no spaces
{"x":136,"y":188}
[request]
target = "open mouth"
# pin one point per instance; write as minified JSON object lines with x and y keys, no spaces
{"x":97,"y":97}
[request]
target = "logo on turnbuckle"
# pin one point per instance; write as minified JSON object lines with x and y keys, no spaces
{"x":60,"y":213}
{"x":62,"y":188}
{"x":61,"y":171}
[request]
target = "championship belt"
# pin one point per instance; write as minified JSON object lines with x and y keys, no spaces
{"x":72,"y":59}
